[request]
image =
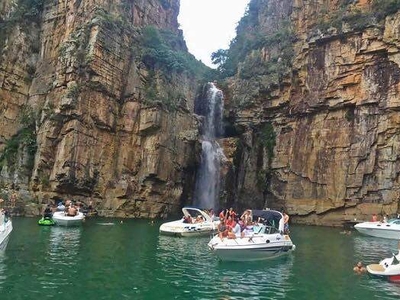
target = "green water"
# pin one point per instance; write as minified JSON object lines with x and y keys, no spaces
{"x":105,"y":259}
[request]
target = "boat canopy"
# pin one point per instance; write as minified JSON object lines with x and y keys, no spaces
{"x":269,"y":217}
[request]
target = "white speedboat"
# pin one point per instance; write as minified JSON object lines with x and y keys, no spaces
{"x":266,"y":240}
{"x":388,"y":230}
{"x":387,"y":268}
{"x":195,"y":222}
{"x":5,"y":230}
{"x":62,"y":219}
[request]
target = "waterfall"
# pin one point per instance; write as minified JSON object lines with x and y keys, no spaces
{"x":208,"y":177}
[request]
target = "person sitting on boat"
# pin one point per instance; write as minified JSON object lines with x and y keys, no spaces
{"x":187,"y":219}
{"x":374,"y":218}
{"x":232,"y":213}
{"x":230,"y":222}
{"x":72,"y":211}
{"x":247,"y":217}
{"x":222,"y":229}
{"x":235,"y":231}
{"x":48,"y":212}
{"x":60,"y":206}
{"x":199,"y":219}
{"x":223,"y":214}
{"x":359,"y":268}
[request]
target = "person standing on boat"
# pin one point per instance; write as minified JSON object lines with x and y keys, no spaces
{"x":285,"y":222}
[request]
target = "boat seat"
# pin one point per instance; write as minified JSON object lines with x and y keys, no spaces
{"x":376,"y":268}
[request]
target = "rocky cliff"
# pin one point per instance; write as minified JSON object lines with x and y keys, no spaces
{"x":96,"y":105}
{"x":314,"y":93}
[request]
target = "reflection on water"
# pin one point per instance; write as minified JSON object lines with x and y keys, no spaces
{"x":188,"y":263}
{"x":372,"y":249}
{"x":132,"y":261}
{"x":3,"y":275}
{"x":62,"y":257}
{"x":64,"y":240}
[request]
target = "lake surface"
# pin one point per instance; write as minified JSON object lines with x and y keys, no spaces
{"x":105,"y":259}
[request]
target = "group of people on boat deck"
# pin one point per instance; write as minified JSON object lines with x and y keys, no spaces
{"x":68,"y":207}
{"x":231,"y":226}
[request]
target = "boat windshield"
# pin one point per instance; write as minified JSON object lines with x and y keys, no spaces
{"x":267,"y":217}
{"x":195,"y":212}
{"x":261,"y":228}
{"x":394,"y":221}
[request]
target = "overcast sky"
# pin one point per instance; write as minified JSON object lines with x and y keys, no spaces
{"x":209,"y":25}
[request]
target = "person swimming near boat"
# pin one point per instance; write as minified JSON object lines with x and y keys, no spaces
{"x":359,"y":268}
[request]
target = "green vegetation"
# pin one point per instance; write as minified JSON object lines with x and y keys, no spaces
{"x":110,"y":21}
{"x":25,"y":12}
{"x":24,"y":139}
{"x":166,"y":57}
{"x":385,"y":8}
{"x":247,"y":51}
{"x":356,"y":19}
{"x":163,"y":51}
{"x":166,"y":97}
{"x":268,"y":138}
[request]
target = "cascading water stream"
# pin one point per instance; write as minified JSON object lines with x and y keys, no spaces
{"x":208,"y":178}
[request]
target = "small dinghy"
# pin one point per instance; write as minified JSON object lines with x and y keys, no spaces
{"x":387,"y":268}
{"x":63,"y":219}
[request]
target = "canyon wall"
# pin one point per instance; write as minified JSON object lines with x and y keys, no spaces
{"x":93,"y":109}
{"x":316,"y":103}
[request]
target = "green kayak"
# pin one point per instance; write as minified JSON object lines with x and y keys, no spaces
{"x":46,"y":222}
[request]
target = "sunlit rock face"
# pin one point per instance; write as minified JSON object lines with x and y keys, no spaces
{"x":72,"y":70}
{"x":334,"y":110}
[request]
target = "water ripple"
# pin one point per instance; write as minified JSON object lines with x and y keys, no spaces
{"x":194,"y":266}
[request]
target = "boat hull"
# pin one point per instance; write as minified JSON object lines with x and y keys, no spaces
{"x":188,"y":226}
{"x":388,"y":268}
{"x":177,"y":228}
{"x":380,"y":230}
{"x":61,"y":219}
{"x":5,"y":231}
{"x":251,"y":248}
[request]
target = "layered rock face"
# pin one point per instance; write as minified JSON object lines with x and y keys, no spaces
{"x":334,"y":108}
{"x":84,"y":117}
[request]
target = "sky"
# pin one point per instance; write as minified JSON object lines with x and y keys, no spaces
{"x":209,"y":25}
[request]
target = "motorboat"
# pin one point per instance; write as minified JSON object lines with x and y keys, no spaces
{"x":264,"y":240}
{"x":387,"y":230}
{"x":63,"y":219}
{"x":5,"y":230}
{"x":195,"y":222}
{"x":388,"y":268}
